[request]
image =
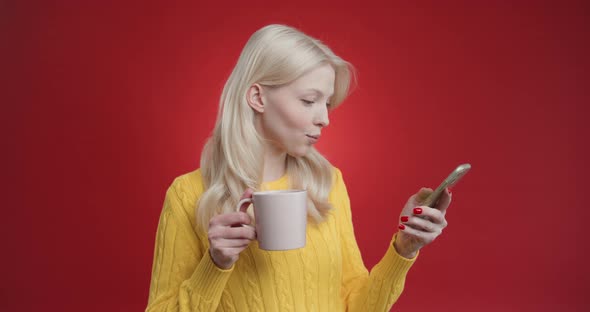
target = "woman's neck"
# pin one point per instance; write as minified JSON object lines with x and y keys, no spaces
{"x":275,"y":164}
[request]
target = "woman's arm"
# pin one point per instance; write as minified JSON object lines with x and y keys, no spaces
{"x":361,"y":290}
{"x":184,"y":277}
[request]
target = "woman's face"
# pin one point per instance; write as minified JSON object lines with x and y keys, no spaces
{"x":295,"y":114}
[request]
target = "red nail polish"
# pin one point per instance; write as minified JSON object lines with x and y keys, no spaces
{"x":417,"y":210}
{"x":449,"y":190}
{"x":401,"y":226}
{"x":405,"y":218}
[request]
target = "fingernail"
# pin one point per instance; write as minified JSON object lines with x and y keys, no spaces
{"x":405,"y":218}
{"x":449,"y":191}
{"x":417,"y":210}
{"x":401,"y":227}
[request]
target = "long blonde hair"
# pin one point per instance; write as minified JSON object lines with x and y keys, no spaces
{"x":232,"y":158}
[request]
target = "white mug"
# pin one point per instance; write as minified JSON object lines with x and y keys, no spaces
{"x":281,"y":218}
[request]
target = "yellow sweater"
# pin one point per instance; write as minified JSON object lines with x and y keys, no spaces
{"x":328,"y":274}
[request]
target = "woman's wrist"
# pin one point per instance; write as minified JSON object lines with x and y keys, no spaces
{"x":403,"y":249}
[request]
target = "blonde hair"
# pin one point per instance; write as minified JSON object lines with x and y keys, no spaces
{"x":232,"y":158}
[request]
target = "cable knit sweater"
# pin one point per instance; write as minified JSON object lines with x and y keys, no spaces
{"x":328,"y":274}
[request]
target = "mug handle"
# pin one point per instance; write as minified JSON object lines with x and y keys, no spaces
{"x":243,"y":201}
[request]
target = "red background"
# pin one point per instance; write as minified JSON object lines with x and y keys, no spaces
{"x":105,"y":103}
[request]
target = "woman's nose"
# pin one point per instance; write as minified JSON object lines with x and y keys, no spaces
{"x":321,"y":118}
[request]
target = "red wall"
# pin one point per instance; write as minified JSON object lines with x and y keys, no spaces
{"x":105,"y":103}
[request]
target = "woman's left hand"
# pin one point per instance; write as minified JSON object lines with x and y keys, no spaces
{"x":421,"y":225}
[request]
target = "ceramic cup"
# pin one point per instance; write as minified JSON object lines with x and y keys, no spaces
{"x":281,"y":218}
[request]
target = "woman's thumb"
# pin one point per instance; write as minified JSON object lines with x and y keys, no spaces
{"x":422,"y":194}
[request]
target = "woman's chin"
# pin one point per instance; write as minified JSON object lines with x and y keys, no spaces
{"x":300,"y":152}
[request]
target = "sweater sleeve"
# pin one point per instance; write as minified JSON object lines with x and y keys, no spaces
{"x":361,"y":290}
{"x":184,"y":277}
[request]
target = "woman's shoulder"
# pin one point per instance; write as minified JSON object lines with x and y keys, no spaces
{"x":192,"y":179}
{"x":188,"y":187}
{"x":182,"y":196}
{"x":190,"y":184}
{"x":336,"y":176}
{"x":338,"y":188}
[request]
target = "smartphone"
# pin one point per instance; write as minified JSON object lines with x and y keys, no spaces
{"x":450,"y":181}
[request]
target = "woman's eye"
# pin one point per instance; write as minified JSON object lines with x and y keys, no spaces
{"x":307,"y":102}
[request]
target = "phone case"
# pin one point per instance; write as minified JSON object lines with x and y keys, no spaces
{"x":450,"y":181}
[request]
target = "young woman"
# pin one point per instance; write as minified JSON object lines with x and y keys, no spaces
{"x":273,"y":109}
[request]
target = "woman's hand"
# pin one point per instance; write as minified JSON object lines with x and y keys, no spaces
{"x":227,"y":237}
{"x":421,"y":225}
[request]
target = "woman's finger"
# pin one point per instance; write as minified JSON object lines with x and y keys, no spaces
{"x":424,"y":237}
{"x":431,"y":214}
{"x":444,"y":201}
{"x":233,"y":243}
{"x":422,"y":224}
{"x":239,"y":232}
{"x":231,"y":218}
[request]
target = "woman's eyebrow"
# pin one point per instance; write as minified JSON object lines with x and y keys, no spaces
{"x":317,"y":91}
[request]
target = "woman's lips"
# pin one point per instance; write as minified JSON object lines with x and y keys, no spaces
{"x":313,"y":138}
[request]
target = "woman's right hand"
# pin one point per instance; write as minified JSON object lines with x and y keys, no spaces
{"x":227,"y":237}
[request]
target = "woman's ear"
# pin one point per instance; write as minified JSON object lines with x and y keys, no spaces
{"x":254,"y":98}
